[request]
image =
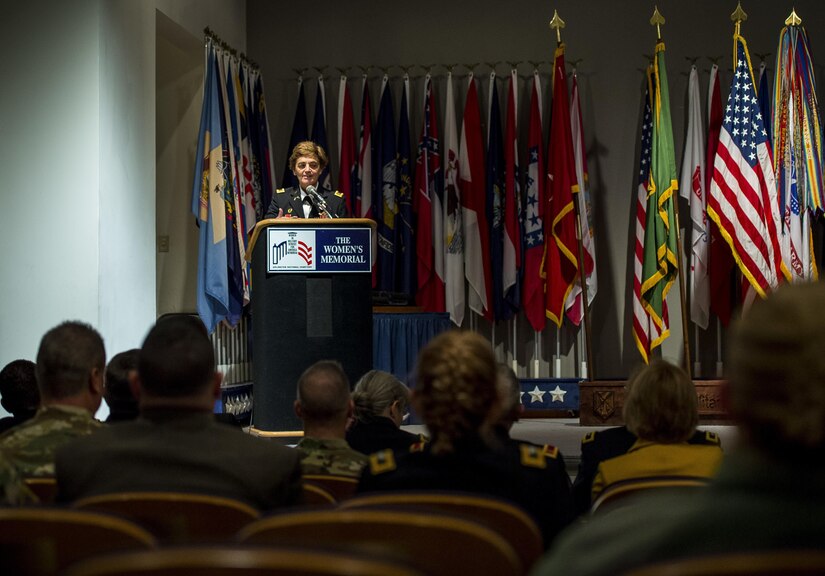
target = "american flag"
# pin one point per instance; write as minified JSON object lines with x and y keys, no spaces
{"x":645,"y":331}
{"x":743,"y":195}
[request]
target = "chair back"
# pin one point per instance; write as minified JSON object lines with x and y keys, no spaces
{"x":45,"y":488}
{"x":508,"y":520}
{"x":312,"y":495}
{"x":41,"y":540}
{"x":621,"y":490}
{"x":341,"y":487}
{"x":175,"y":517}
{"x":231,"y":561}
{"x":433,"y":543}
{"x":770,"y":563}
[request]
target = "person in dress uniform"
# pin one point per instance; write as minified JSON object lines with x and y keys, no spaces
{"x":455,"y":394}
{"x":307,"y":161}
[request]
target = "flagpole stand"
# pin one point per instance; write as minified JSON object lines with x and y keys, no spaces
{"x":583,"y":370}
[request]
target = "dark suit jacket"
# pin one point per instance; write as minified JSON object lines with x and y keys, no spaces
{"x":289,"y":200}
{"x":174,"y":450}
{"x":377,"y":434}
{"x":605,"y":444}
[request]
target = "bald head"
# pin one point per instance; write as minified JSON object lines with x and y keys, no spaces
{"x":323,"y":394}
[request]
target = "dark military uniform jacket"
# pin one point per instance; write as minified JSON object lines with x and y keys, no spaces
{"x":289,"y":200}
{"x":179,"y":450}
{"x":527,"y":477}
{"x":596,"y":447}
{"x":379,"y":433}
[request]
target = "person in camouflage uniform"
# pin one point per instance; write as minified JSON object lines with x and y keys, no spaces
{"x":325,"y":405}
{"x":70,"y":373}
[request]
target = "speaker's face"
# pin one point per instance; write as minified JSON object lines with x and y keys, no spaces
{"x":307,"y":169}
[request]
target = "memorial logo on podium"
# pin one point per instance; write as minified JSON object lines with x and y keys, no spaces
{"x":319,"y":250}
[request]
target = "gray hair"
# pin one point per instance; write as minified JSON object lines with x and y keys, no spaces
{"x":375,"y":392}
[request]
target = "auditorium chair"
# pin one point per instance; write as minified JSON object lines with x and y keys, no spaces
{"x":341,"y":487}
{"x":45,"y":488}
{"x":762,"y":563}
{"x":312,"y":495}
{"x":41,"y":540}
{"x":232,"y":561}
{"x":619,"y":491}
{"x":436,"y":544}
{"x":510,"y":521}
{"x":176,"y":517}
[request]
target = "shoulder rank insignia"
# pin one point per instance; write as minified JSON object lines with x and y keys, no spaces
{"x":532,"y":456}
{"x":589,"y":437}
{"x":280,"y":190}
{"x":551,"y":451}
{"x":289,"y":210}
{"x":383,"y":461}
{"x":712,"y":437}
{"x":339,"y":194}
{"x":418,"y":446}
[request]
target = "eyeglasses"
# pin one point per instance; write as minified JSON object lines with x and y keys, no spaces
{"x":311,"y":165}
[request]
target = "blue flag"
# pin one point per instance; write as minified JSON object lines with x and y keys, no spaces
{"x":405,"y":244}
{"x":765,"y":99}
{"x":300,"y":133}
{"x":319,"y":132}
{"x":261,"y":141}
{"x":385,"y":207}
{"x":495,"y":200}
{"x":208,"y":190}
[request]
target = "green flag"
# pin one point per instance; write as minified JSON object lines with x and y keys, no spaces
{"x":660,"y":265}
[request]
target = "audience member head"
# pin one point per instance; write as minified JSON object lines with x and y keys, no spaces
{"x":176,"y":365}
{"x":455,"y":391}
{"x":118,"y":393}
{"x":509,"y":396}
{"x":777,"y":373}
{"x":18,"y":387}
{"x":70,"y":368}
{"x":378,"y":394}
{"x":323,"y":400}
{"x":660,"y":404}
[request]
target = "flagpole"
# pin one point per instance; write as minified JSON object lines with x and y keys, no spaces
{"x":514,"y":324}
{"x":658,"y":20}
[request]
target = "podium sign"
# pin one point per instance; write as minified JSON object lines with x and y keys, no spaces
{"x":318,"y":250}
{"x":311,"y":300}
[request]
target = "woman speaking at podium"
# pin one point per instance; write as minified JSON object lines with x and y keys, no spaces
{"x":307,"y":161}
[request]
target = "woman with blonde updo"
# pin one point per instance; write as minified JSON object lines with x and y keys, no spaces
{"x":455,"y":395}
{"x":381,"y":405}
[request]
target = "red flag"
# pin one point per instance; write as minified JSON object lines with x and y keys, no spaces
{"x":363,"y":189}
{"x":346,"y":144}
{"x":534,"y":213}
{"x":561,"y":262}
{"x":474,"y":213}
{"x":428,"y":205}
{"x":720,"y":259}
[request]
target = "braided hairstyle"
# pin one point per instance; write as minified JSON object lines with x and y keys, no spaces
{"x":456,"y":388}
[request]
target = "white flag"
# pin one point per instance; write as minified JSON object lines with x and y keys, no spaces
{"x":453,"y":233}
{"x":693,"y":188}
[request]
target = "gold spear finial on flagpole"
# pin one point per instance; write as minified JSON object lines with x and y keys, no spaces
{"x":657,"y":20}
{"x":793,"y":19}
{"x":738,"y":16}
{"x":557,"y":24}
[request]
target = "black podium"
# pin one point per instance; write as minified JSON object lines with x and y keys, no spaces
{"x":311,"y":300}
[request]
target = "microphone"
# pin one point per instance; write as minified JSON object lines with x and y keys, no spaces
{"x":318,"y":200}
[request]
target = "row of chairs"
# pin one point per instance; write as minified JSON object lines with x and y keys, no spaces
{"x":437,"y":533}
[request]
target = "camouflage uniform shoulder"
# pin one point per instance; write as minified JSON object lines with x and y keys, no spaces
{"x":330,"y":457}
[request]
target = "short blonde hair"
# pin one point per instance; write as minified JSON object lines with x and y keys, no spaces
{"x":455,"y":387}
{"x":777,"y":372}
{"x":308,"y":149}
{"x":660,"y":404}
